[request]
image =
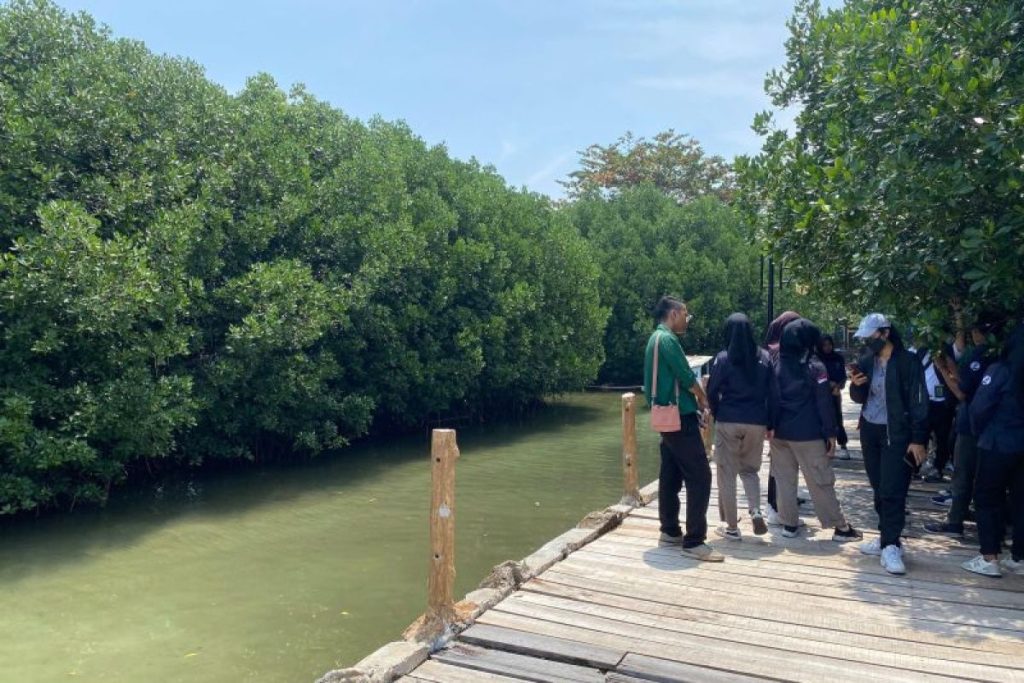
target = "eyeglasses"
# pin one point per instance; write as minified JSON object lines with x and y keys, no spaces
{"x":689,"y":317}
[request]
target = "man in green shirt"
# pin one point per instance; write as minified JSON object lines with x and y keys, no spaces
{"x":683,"y":458}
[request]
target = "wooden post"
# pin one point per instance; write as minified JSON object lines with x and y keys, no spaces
{"x":630,"y":478}
{"x":709,"y":427}
{"x":443,"y":453}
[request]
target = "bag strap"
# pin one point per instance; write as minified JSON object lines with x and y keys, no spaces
{"x":654,"y":381}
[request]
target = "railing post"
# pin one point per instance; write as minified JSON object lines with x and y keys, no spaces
{"x":708,"y":430}
{"x":444,"y":451}
{"x":630,"y":478}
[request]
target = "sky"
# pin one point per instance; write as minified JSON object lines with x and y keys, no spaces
{"x":523,"y":85}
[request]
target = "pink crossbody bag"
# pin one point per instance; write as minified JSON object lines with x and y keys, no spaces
{"x":663,"y":418}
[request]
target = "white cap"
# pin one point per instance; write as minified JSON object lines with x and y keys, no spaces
{"x":871,"y":323}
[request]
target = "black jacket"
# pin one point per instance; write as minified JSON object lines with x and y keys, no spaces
{"x":906,"y":396}
{"x":997,"y":413}
{"x":806,"y":411}
{"x":735,"y":398}
{"x":971,"y":372}
{"x":835,"y":364}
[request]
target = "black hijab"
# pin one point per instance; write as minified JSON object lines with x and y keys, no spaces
{"x":740,"y":346}
{"x":799,"y":339}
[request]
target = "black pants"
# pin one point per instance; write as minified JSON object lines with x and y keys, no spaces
{"x":962,"y":487}
{"x":997,"y":472}
{"x":889,"y":475}
{"x":940,"y":422}
{"x":841,"y":438}
{"x":684,"y":462}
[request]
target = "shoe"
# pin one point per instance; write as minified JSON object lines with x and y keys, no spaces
{"x":667,"y":539}
{"x":790,"y":531}
{"x":943,"y":500}
{"x":892,"y":560}
{"x":773,"y":517}
{"x":935,"y":479}
{"x":872,"y":547}
{"x":729,"y":534}
{"x":948,"y":469}
{"x":1013,"y":566}
{"x":945,"y":528}
{"x":704,"y":552}
{"x":760,"y":526}
{"x":846,"y":535}
{"x":945,"y":492}
{"x":844,"y":453}
{"x":979,"y":565}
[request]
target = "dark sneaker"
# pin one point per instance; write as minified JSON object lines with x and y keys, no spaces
{"x":790,"y":531}
{"x":760,"y":525}
{"x":942,"y":500}
{"x":945,"y":528}
{"x":729,"y":534}
{"x":846,"y":535}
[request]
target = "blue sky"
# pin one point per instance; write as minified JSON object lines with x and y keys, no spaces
{"x":523,"y":85}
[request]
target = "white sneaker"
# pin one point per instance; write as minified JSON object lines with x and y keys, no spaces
{"x":872,"y":547}
{"x":729,"y":534}
{"x":790,"y":532}
{"x":1013,"y":566}
{"x":773,"y":517}
{"x":892,"y":559}
{"x":979,"y":565}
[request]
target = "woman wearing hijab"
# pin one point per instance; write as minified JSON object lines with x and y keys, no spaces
{"x":772,"y":337}
{"x":889,"y":382}
{"x":835,"y":364}
{"x":805,"y":433}
{"x":743,"y":397}
{"x":997,"y":416}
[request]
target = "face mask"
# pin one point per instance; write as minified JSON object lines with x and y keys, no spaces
{"x":876,"y":345}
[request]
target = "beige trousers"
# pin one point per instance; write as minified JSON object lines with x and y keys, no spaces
{"x":810,"y":458}
{"x":738,"y":449}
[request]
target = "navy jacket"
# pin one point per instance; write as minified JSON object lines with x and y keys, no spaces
{"x":805,"y":401}
{"x":997,"y":413}
{"x":971,"y":373}
{"x":734,"y":398}
{"x":835,"y":364}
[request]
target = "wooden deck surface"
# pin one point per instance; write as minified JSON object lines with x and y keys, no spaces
{"x":804,"y":609}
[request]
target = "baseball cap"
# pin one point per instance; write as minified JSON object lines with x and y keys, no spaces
{"x":870,"y":323}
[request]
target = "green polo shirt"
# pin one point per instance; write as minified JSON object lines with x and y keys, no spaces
{"x":672,"y":366}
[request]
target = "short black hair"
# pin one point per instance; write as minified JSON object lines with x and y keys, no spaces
{"x":666,"y":305}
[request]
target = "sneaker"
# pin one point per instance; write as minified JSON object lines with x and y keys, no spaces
{"x":945,"y":492}
{"x":872,"y":547}
{"x":892,"y":559}
{"x":943,"y":500}
{"x":668,"y":539}
{"x":846,"y":535}
{"x":773,"y":517}
{"x":729,"y":534}
{"x":844,"y":453}
{"x":760,"y":526}
{"x":945,"y":528}
{"x":979,"y":565}
{"x":790,"y":531}
{"x":1013,"y":566}
{"x":704,"y":552}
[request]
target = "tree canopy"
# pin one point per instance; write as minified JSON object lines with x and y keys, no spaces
{"x":900,"y":187}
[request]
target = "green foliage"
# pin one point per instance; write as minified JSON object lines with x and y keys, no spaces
{"x":901,"y":187}
{"x":649,"y":245}
{"x":188,"y":274}
{"x":673,"y":163}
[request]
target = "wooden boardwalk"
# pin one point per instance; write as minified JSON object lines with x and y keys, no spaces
{"x":804,"y":609}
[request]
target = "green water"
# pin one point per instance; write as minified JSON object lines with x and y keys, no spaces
{"x":280,"y":574}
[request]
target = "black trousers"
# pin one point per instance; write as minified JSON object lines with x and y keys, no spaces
{"x":684,"y":462}
{"x":889,"y":475}
{"x":998,"y":472}
{"x":940,"y":422}
{"x":841,"y":438}
{"x":964,"y":472}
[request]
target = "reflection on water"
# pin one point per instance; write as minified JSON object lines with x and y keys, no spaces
{"x":281,"y":573}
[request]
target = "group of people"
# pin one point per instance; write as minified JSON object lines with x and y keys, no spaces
{"x":789,"y":391}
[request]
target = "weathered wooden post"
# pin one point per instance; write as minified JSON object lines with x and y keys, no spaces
{"x":444,"y":451}
{"x":630,"y":478}
{"x":707,"y":432}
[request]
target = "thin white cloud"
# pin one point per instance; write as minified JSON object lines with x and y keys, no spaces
{"x":546,"y":173}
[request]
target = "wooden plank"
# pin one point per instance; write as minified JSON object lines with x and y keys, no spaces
{"x":645,"y":668}
{"x":770,"y":607}
{"x":432,"y":671}
{"x":519,"y":666}
{"x":546,"y":646}
{"x":650,"y":613}
{"x":730,"y":588}
{"x":697,"y":650}
{"x":666,"y":629}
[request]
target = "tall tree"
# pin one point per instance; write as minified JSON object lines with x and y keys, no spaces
{"x":674,"y":163}
{"x":900,"y":187}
